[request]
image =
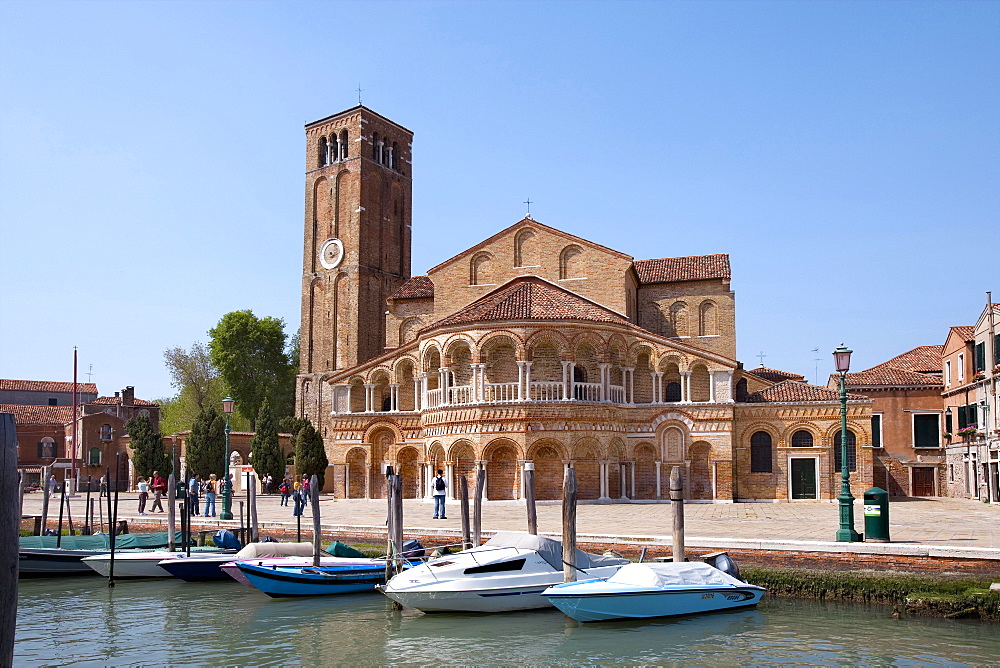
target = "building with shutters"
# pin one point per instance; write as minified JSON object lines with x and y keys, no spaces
{"x":535,"y":347}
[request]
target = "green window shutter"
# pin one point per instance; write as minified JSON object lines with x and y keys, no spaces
{"x":996,"y":349}
{"x":981,"y":356}
{"x":947,"y":423}
{"x":925,"y":431}
{"x":973,"y":414}
{"x":876,"y":431}
{"x":963,"y":420}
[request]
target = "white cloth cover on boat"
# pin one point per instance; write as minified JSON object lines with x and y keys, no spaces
{"x":549,"y":549}
{"x":663,"y":576}
{"x":274,"y":550}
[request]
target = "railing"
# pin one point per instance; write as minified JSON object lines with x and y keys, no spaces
{"x":462,"y":394}
{"x":433,"y":398}
{"x":617,"y":395}
{"x":587,"y":391}
{"x":547,"y":391}
{"x":500,"y":392}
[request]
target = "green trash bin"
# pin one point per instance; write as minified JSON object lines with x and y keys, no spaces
{"x":877,"y":515}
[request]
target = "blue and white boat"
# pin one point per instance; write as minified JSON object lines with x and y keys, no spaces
{"x":348,"y":576}
{"x":639,"y":591}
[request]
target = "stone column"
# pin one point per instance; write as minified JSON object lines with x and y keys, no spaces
{"x":605,"y":380}
{"x":685,"y":387}
{"x":444,"y":382}
{"x":369,"y":397}
{"x":659,"y":464}
{"x":567,"y":370}
{"x":631,"y":469}
{"x":658,"y":391}
{"x":449,"y":473}
{"x":520,"y":380}
{"x":527,"y":381}
{"x":417,"y":398}
{"x":394,"y":397}
{"x":631,"y":384}
{"x":711,"y":386}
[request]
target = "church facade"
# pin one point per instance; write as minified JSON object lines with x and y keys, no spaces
{"x":535,"y":348}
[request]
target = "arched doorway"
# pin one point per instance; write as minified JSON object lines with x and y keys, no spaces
{"x":645,"y":471}
{"x":409,"y":470}
{"x":464,"y":459}
{"x":588,"y":471}
{"x":503,"y":475}
{"x":548,"y":472}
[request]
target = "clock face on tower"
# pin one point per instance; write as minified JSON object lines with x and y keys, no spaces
{"x":331,"y":254}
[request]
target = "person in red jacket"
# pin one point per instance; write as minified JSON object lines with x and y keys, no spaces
{"x":159,"y":489}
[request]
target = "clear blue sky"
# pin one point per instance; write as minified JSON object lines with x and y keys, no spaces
{"x":846,"y":155}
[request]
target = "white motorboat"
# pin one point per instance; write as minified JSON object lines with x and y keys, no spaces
{"x":508,"y":572}
{"x":640,"y":591}
{"x":142,"y":564}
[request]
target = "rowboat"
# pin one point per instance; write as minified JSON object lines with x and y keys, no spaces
{"x":348,"y":576}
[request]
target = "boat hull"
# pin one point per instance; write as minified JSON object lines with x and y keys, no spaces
{"x":42,"y":562}
{"x":500,"y":599}
{"x":595,"y":607}
{"x":143,"y":565}
{"x":282,"y":582}
{"x":196,"y":569}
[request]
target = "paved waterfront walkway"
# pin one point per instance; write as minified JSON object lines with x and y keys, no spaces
{"x":935,"y":522}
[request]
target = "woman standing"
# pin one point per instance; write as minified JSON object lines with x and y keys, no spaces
{"x":209,"y":488}
{"x":143,"y":494}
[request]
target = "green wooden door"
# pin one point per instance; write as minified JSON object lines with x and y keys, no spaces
{"x":804,"y":478}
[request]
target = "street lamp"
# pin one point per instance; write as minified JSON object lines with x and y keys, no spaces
{"x":846,"y":533}
{"x":227,"y":486}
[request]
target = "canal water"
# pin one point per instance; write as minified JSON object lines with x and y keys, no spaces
{"x":79,"y":621}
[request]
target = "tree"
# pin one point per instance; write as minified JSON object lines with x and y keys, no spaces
{"x":206,"y":446}
{"x":198,"y":384}
{"x":250,"y":354}
{"x":265,"y":451}
{"x":310,"y":454}
{"x":148,"y":454}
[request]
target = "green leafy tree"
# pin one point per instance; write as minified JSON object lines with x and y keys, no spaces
{"x":250,"y":354}
{"x":310,"y":455}
{"x":206,"y":445}
{"x":198,"y":385}
{"x":265,"y":450}
{"x":292,"y":425}
{"x":148,"y":453}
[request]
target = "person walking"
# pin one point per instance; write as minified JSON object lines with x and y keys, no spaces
{"x":439,"y":487}
{"x":194,"y":490}
{"x":284,"y":489}
{"x":53,"y":484}
{"x":267,"y":483}
{"x":143,"y":494}
{"x":209,"y":489}
{"x":297,"y":500}
{"x":159,"y":489}
{"x":306,"y":491}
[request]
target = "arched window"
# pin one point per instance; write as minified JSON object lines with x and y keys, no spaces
{"x":344,"y":152}
{"x":105,"y":432}
{"x":394,"y":156}
{"x":707,"y":319}
{"x":323,"y":152}
{"x":569,"y":262}
{"x":802,"y":439}
{"x":481,"y":270}
{"x":760,"y":452}
{"x":524,"y":249}
{"x":95,"y":457}
{"x":46,"y":448}
{"x":678,"y":318}
{"x":334,"y":150}
{"x":375,"y":145}
{"x":673,"y":392}
{"x":852,"y":451}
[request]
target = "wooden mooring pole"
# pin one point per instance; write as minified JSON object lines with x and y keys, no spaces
{"x":463,"y":488}
{"x":477,"y":509}
{"x":317,"y":531}
{"x":390,"y":517}
{"x":529,"y":497}
{"x":46,"y":472}
{"x":677,"y":505}
{"x":569,"y":525}
{"x":62,"y":504}
{"x":10,"y":523}
{"x":88,"y":512}
{"x":397,"y":520}
{"x":171,"y":512}
{"x":254,"y":526}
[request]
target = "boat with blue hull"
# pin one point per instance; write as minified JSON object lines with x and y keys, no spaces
{"x":639,"y":591}
{"x":355,"y":575}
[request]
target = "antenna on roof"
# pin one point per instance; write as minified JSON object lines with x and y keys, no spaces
{"x":90,"y":372}
{"x":815,"y":351}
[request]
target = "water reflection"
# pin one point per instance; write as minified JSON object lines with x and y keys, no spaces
{"x":81,"y":622}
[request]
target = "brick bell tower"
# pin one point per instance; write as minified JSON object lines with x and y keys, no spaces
{"x":357,"y":242}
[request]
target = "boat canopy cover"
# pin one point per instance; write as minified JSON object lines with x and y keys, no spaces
{"x":101,"y":541}
{"x":664,"y":576}
{"x":549,"y":549}
{"x":277,"y":550}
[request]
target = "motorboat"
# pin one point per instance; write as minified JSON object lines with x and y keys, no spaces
{"x":644,"y":590}
{"x":508,"y":572}
{"x":345,"y":577}
{"x":39,"y":556}
{"x":145,"y":564}
{"x":286,"y":554}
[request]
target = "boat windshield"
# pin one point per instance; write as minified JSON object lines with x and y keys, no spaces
{"x":549,"y":549}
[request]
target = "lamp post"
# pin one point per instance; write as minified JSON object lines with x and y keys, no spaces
{"x":846,"y":533}
{"x":227,"y":486}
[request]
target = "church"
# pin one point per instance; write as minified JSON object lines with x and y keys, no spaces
{"x":535,"y":348}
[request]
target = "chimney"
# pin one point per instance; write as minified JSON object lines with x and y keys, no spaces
{"x":128,"y":396}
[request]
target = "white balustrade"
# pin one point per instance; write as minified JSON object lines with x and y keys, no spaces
{"x":547,"y":391}
{"x":433,"y":398}
{"x":500,"y":392}
{"x":462,"y":394}
{"x":587,"y":391}
{"x":617,"y":395}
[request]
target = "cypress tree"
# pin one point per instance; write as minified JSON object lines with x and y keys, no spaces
{"x":206,"y":446}
{"x":148,"y":454}
{"x":265,"y":451}
{"x":310,"y":455}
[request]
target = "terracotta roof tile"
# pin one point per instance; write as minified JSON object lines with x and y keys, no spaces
{"x":922,"y":359}
{"x":690,"y":268}
{"x":791,"y":391}
{"x":965,"y":331}
{"x":775,"y":375}
{"x":46,"y":386}
{"x":886,"y":375}
{"x":117,"y":401}
{"x":23,"y":415}
{"x":531,"y":298}
{"x":417,"y":287}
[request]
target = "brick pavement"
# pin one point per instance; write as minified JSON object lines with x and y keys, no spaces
{"x":937,"y":522}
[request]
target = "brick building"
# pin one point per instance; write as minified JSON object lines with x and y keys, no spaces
{"x":535,"y":346}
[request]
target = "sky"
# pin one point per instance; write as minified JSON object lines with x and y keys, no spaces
{"x":846,"y":155}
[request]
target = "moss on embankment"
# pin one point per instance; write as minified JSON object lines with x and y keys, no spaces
{"x":939,"y":596}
